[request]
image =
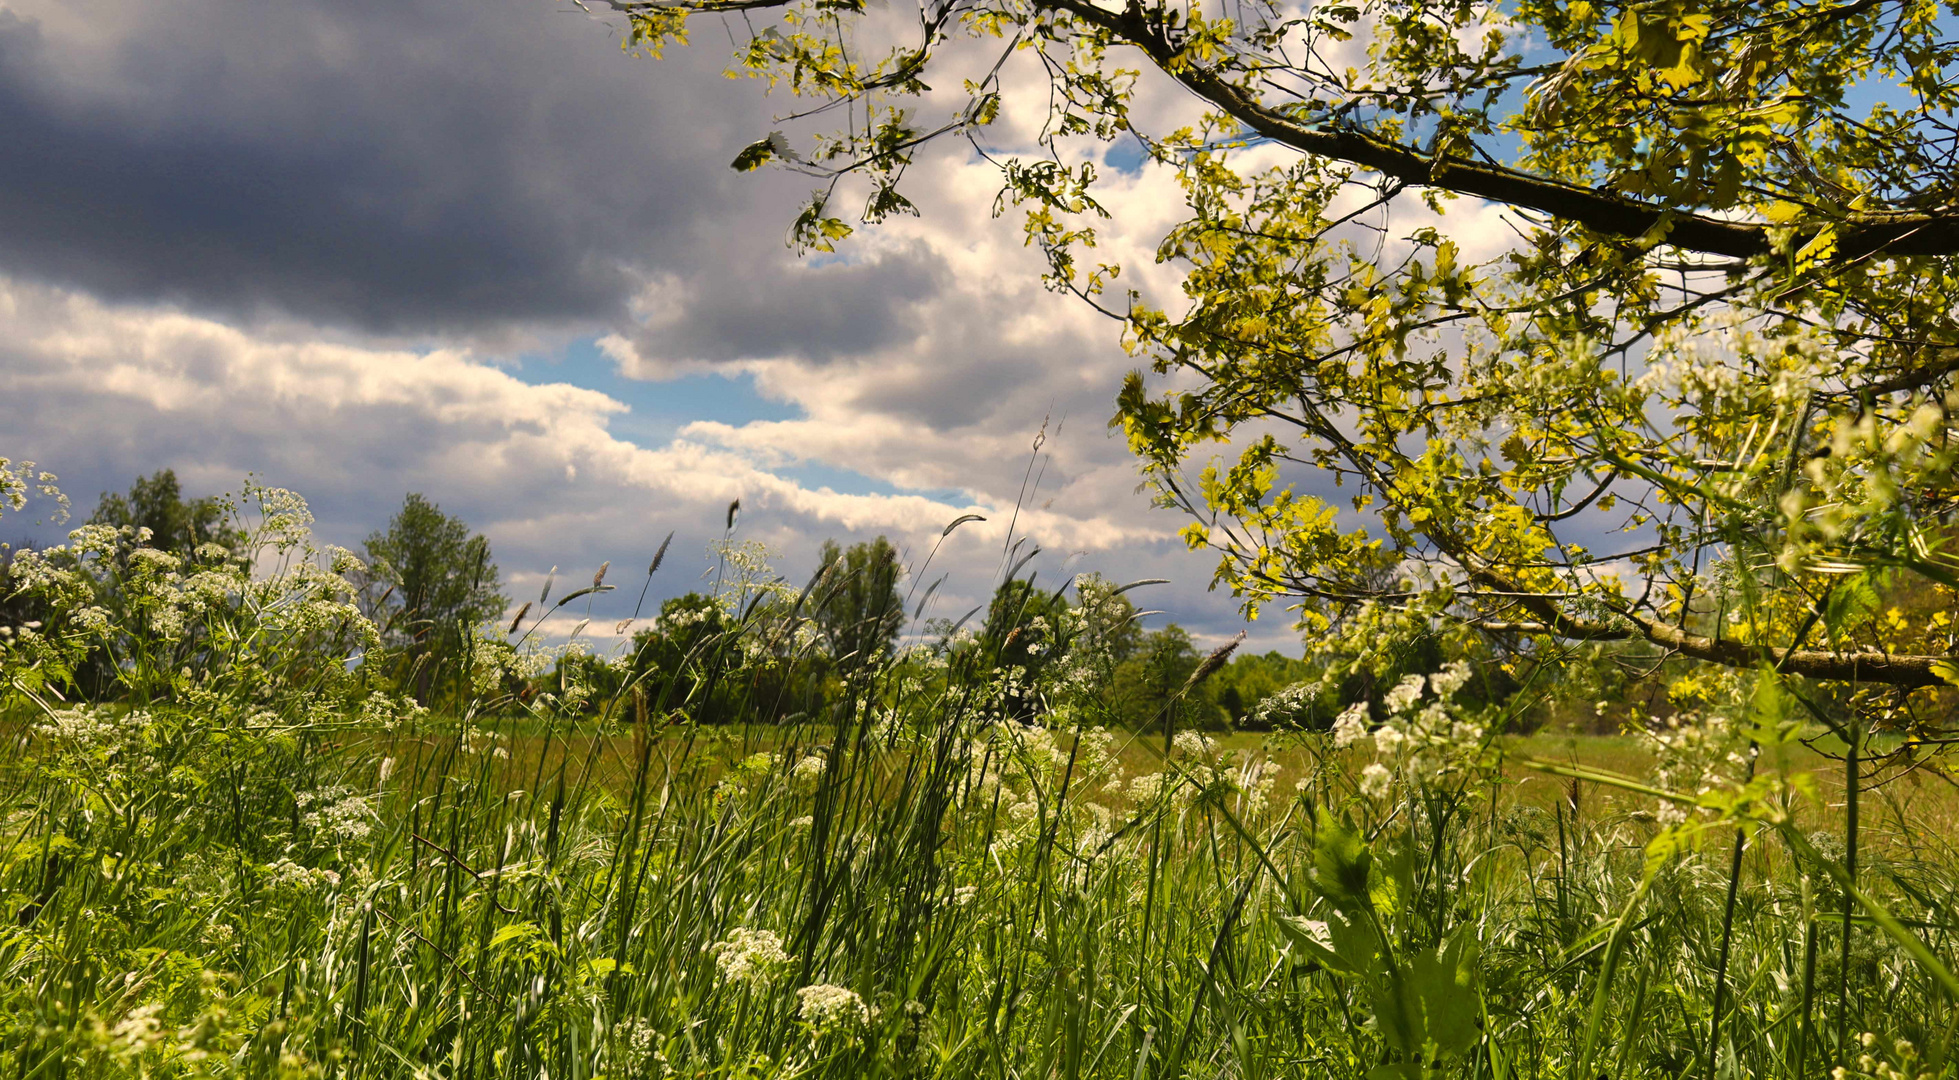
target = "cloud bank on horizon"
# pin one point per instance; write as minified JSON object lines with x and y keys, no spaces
{"x":348,"y":245}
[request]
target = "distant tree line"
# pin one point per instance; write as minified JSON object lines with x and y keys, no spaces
{"x":432,"y":587}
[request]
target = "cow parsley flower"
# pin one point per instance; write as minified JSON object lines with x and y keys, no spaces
{"x":337,"y":815}
{"x":288,"y":520}
{"x":288,"y":876}
{"x":1291,"y":706}
{"x":749,"y":956}
{"x":1375,"y":780}
{"x":808,"y":768}
{"x":1406,"y":693}
{"x":1192,"y":744}
{"x":1388,"y":739}
{"x":93,"y":619}
{"x":639,"y":1045}
{"x":1351,"y":727}
{"x":1450,"y":679}
{"x":831,"y":1010}
{"x":138,"y":1032}
{"x":81,"y":726}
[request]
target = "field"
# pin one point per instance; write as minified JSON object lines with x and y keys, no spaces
{"x":248,"y":862}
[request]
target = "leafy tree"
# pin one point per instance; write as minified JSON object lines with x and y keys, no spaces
{"x":1023,"y":622}
{"x":684,"y":623}
{"x":1147,"y":681}
{"x":719,"y":667}
{"x":178,"y":525}
{"x":857,"y":605}
{"x":670,"y":659}
{"x":430,"y":581}
{"x":1701,"y":400}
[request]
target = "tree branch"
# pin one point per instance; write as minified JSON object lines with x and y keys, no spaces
{"x":1891,"y":669}
{"x":1603,"y":212}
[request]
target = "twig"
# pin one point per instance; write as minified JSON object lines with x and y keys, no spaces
{"x":439,"y":951}
{"x":454,"y":858}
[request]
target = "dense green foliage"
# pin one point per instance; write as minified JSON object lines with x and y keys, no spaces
{"x":858,"y":606}
{"x":253,"y":858}
{"x":1616,"y":321}
{"x":175,"y":524}
{"x":430,"y":583}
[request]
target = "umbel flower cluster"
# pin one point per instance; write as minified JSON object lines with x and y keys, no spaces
{"x":1424,"y":734}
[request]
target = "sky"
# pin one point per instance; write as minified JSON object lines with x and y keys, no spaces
{"x":474,"y":249}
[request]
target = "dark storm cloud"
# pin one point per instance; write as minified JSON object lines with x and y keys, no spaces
{"x":417,"y":166}
{"x":762,"y":302}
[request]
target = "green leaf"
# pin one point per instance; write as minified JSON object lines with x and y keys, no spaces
{"x":1341,"y":861}
{"x":1442,"y":985}
{"x":756,"y":154}
{"x":1947,"y":670}
{"x":1848,"y":605}
{"x":1313,"y":941}
{"x":521,"y":931}
{"x":1334,"y":943}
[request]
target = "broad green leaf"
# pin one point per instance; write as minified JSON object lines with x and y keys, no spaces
{"x":1341,"y":861}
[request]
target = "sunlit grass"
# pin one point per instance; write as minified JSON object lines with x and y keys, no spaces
{"x":249,"y":862}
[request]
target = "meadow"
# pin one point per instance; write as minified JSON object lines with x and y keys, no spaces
{"x":250,"y":857}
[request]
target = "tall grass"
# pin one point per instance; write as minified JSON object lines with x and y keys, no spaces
{"x":254,"y":862}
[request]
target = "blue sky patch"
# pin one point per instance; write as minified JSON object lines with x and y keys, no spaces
{"x":661,"y":408}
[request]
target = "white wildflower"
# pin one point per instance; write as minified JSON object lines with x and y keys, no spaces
{"x":152,"y":561}
{"x":1257,"y":781}
{"x":100,"y":540}
{"x":1405,"y":693}
{"x":749,"y":956}
{"x":639,"y":1042}
{"x":167,"y":623}
{"x":288,"y":521}
{"x":1291,"y":706}
{"x":83,"y":726}
{"x":1450,"y":679}
{"x":1145,"y":787}
{"x":808,"y":768}
{"x":337,"y":815}
{"x":345,"y":562}
{"x":830,"y":1010}
{"x":1192,"y":744}
{"x":138,"y":1032}
{"x":1351,"y":727}
{"x":1388,"y":739}
{"x":288,"y":876}
{"x":485,"y":743}
{"x":1374,"y":780}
